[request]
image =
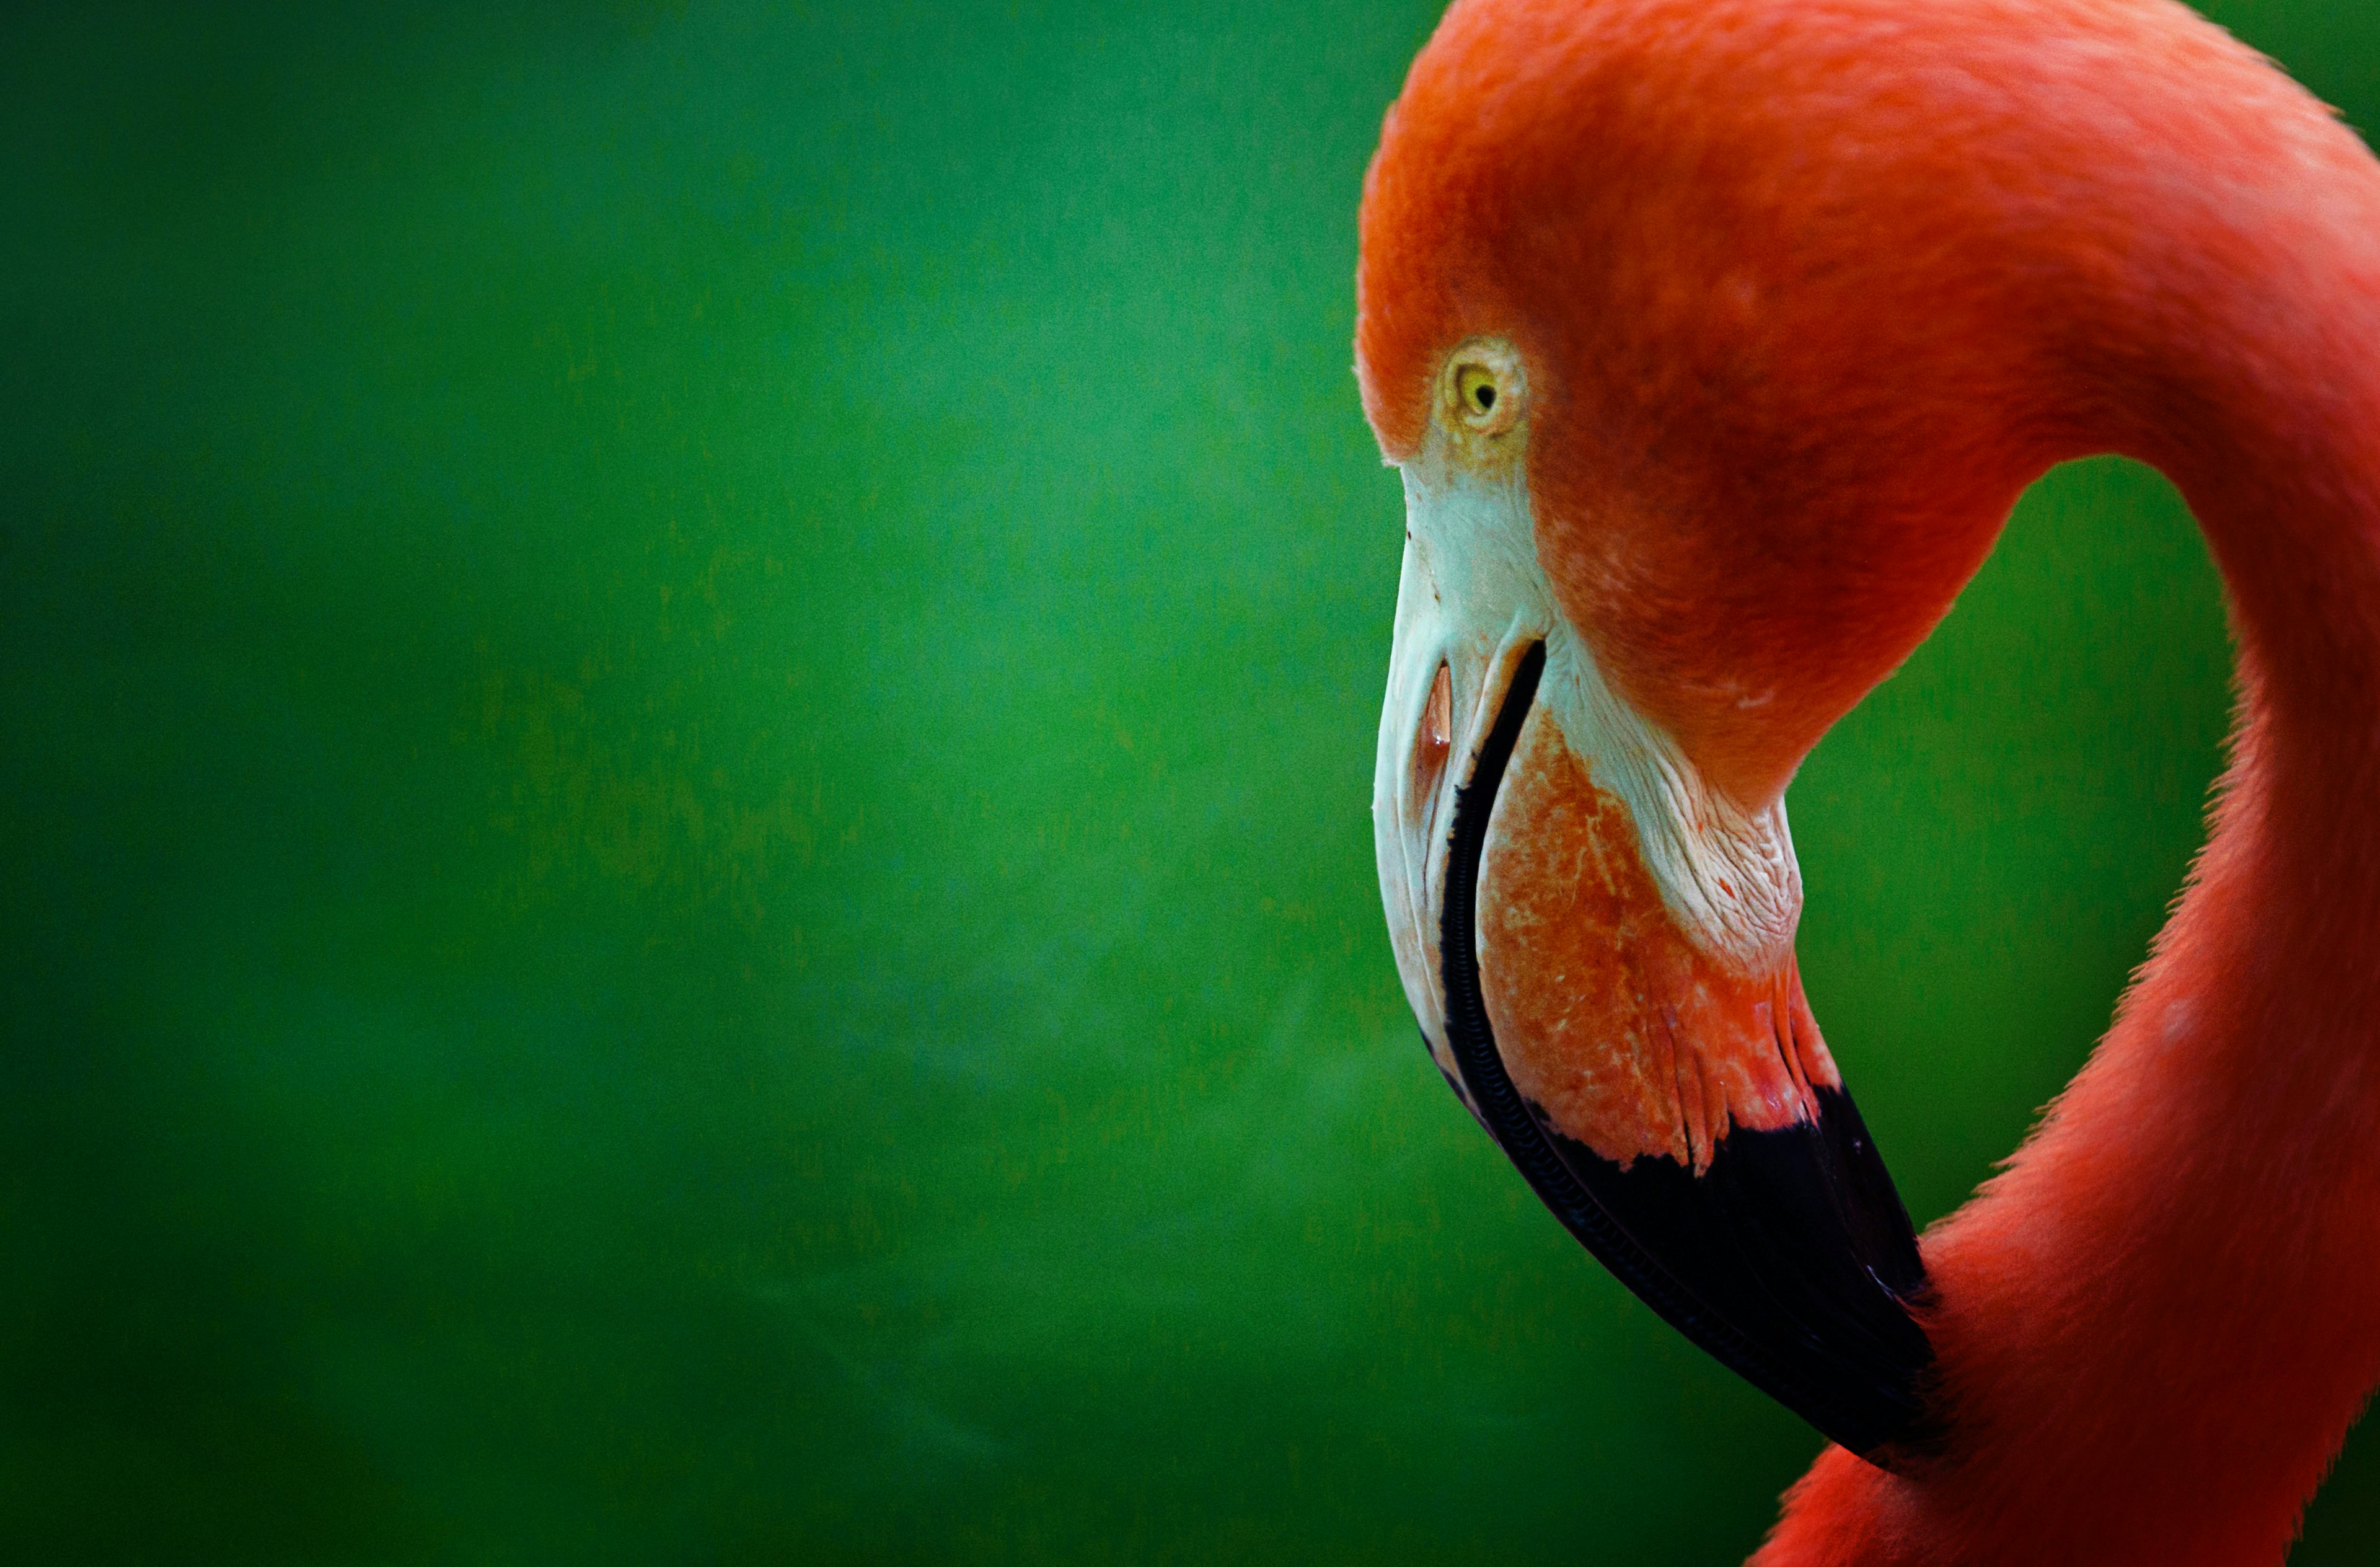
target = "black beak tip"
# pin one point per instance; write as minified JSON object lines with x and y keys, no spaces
{"x":1776,"y":1264}
{"x":1790,"y":1259}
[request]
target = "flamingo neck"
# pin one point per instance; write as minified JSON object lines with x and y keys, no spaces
{"x":2156,"y":1326}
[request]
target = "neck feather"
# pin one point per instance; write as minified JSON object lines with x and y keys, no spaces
{"x":2157,"y":1324}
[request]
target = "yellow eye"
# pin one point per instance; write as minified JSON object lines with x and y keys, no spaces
{"x":1484,"y":387}
{"x":1475,"y":387}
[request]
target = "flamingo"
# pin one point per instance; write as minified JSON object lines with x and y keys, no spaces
{"x":1714,"y":340}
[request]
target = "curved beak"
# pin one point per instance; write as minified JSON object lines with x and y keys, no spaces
{"x":1599,"y":952}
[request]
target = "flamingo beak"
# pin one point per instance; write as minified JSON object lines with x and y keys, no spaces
{"x":1599,"y":952}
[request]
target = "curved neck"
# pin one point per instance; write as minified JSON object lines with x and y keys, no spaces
{"x":2157,"y":1324}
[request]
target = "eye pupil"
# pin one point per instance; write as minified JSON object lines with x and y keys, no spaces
{"x":1474,"y":390}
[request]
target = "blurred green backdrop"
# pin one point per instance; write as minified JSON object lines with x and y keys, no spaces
{"x":690,"y":705}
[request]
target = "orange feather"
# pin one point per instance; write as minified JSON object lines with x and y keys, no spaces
{"x":1809,"y":291}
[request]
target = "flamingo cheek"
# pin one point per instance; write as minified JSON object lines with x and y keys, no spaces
{"x":1662,"y":1104}
{"x":1619,"y":1032}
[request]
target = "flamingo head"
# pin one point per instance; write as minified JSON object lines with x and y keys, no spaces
{"x":1693,"y":453}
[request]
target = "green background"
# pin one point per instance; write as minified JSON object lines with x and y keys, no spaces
{"x":690,"y":709}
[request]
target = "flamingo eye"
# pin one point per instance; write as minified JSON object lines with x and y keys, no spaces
{"x":1483,"y":387}
{"x":1475,"y":388}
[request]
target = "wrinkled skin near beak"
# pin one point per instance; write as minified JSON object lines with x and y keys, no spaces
{"x":1600,"y":951}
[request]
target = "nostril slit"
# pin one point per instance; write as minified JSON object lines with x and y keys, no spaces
{"x":1436,"y":736}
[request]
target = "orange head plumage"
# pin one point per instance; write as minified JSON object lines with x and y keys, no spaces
{"x":1714,"y":340}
